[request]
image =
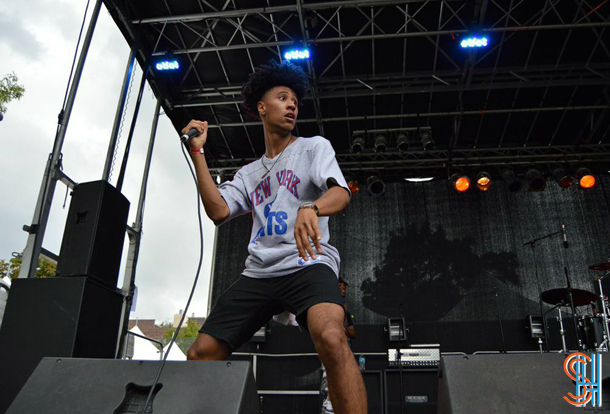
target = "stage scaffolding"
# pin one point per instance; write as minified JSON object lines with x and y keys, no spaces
{"x":563,"y":96}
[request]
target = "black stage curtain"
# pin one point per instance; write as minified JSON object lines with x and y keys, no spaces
{"x":432,"y":255}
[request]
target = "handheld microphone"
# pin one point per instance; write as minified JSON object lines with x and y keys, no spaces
{"x":193,"y":132}
{"x":565,"y":236}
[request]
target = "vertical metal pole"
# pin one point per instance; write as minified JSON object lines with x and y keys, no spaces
{"x":131,"y":62}
{"x":134,"y":120}
{"x":135,"y":237}
{"x":45,"y":197}
{"x":212,"y":270}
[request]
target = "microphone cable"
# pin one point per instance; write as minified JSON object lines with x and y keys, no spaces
{"x":188,"y":302}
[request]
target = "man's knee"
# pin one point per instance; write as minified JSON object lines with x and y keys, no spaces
{"x":332,"y":338}
{"x":207,"y":348}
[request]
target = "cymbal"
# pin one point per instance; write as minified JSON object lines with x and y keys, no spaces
{"x":560,"y":296}
{"x":602,"y":267}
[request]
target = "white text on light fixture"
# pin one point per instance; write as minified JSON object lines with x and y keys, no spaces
{"x":474,"y":42}
{"x":296,"y":54}
{"x":167,"y":65}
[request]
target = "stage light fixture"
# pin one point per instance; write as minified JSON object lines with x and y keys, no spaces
{"x":484,"y":181}
{"x":397,"y":332}
{"x":419,"y":179}
{"x":535,"y":327}
{"x":562,"y":177}
{"x":358,"y":144}
{"x":513,"y":183}
{"x":353,"y":186}
{"x":535,"y":180}
{"x":402,"y":142}
{"x":426,"y":138}
{"x":381,"y":143}
{"x":586,"y":179}
{"x":165,"y":65}
{"x":460,"y":183}
{"x":297,"y":54}
{"x":474,"y":41}
{"x":375,"y":186}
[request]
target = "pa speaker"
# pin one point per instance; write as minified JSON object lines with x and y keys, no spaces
{"x":419,"y":391}
{"x":508,"y":384}
{"x":95,"y":231}
{"x":59,"y":317}
{"x":77,"y":386}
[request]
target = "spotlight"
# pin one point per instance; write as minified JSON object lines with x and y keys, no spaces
{"x":397,"y":332}
{"x":358,"y":144}
{"x":402,"y":142}
{"x":513,"y":183}
{"x":165,"y":65}
{"x":297,"y":54}
{"x":460,"y":183}
{"x":426,"y":138}
{"x":375,"y":186}
{"x":535,"y":180}
{"x":474,"y":41}
{"x":484,"y":181}
{"x":586,"y":179}
{"x":353,"y":186}
{"x":563,"y":179}
{"x":381,"y":143}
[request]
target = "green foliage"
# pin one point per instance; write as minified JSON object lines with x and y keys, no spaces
{"x":46,"y":268}
{"x":9,"y":90}
{"x":191,"y":330}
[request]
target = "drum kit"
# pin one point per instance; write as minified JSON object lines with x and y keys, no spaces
{"x":593,"y":333}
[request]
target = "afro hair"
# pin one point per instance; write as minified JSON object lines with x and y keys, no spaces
{"x":268,"y":76}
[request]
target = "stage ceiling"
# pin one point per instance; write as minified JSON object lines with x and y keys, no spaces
{"x":537,"y":95}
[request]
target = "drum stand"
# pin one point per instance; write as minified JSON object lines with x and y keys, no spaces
{"x":562,"y":331}
{"x":604,"y":345}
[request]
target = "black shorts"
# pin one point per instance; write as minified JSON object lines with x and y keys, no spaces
{"x":249,"y":303}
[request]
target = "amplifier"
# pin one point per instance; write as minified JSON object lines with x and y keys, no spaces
{"x":418,"y":356}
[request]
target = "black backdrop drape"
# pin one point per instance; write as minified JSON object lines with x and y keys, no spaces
{"x":434,"y":256}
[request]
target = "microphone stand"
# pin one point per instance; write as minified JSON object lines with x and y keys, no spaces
{"x":570,"y":296}
{"x":578,"y":340}
{"x":533,"y":244}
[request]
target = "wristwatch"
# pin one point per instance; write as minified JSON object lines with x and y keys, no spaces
{"x":312,"y":205}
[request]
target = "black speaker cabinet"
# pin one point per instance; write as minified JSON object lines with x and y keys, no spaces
{"x":419,"y":391}
{"x":373,"y":382}
{"x":509,"y":384}
{"x":95,"y":232}
{"x":77,"y":386}
{"x":58,"y":317}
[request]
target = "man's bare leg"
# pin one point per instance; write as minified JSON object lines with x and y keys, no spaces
{"x":345,"y":385}
{"x":208,"y":348}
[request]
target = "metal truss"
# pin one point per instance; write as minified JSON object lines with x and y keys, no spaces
{"x":418,"y":162}
{"x":219,"y":30}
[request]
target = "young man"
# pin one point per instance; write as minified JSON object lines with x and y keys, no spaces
{"x":290,"y":192}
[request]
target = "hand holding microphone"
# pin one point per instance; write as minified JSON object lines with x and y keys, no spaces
{"x":195,"y":134}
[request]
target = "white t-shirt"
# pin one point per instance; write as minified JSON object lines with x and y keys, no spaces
{"x":302,"y":173}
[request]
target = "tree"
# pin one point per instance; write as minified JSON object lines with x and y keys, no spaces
{"x":9,"y":90}
{"x":45,"y":268}
{"x":191,"y":330}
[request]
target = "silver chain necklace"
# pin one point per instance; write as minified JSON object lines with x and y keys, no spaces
{"x":275,"y":162}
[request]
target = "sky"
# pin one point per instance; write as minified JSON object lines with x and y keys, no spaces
{"x":37,"y":42}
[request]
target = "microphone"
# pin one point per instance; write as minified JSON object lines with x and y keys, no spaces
{"x":565,"y":236}
{"x":193,"y":132}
